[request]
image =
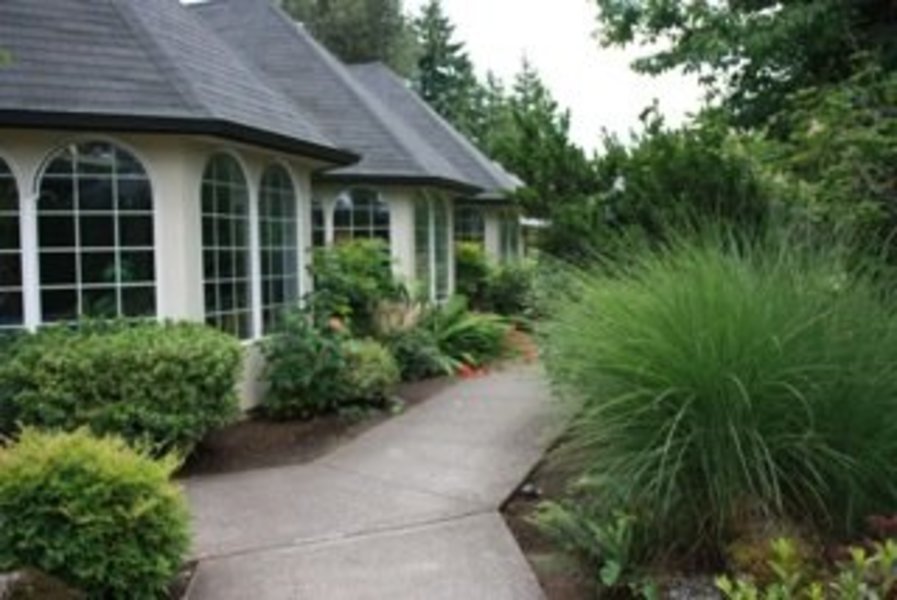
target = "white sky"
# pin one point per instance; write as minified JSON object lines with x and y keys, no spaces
{"x":557,"y":36}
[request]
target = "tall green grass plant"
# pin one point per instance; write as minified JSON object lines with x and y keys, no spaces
{"x":723,"y":381}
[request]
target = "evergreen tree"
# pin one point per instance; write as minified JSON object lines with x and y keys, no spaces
{"x":532,"y":140}
{"x":445,"y":73}
{"x":360,"y":30}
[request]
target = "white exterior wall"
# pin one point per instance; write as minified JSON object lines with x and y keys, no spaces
{"x":175,"y":165}
{"x":492,"y":227}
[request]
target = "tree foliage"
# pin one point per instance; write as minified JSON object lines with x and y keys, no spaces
{"x":445,"y":73}
{"x":754,"y":54}
{"x":360,"y":31}
{"x":533,"y":141}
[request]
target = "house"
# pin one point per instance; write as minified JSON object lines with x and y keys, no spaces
{"x":179,"y":162}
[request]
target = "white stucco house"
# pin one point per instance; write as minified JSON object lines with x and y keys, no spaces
{"x":179,"y":162}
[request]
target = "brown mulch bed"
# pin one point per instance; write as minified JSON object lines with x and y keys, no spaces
{"x":259,"y":443}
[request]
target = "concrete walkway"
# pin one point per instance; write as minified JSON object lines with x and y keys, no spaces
{"x":407,"y":510}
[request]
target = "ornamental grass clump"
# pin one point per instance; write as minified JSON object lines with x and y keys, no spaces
{"x":725,"y":382}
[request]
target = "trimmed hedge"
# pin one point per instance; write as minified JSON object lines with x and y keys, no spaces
{"x":96,"y":514}
{"x":165,"y":385}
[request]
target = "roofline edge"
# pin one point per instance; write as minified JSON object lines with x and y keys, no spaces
{"x":27,"y":119}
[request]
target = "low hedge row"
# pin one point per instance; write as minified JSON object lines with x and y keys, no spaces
{"x":164,"y":385}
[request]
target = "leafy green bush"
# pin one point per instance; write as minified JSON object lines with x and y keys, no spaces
{"x":606,"y":542}
{"x":759,"y":379}
{"x":509,"y":289}
{"x":865,"y":575}
{"x":466,"y":337}
{"x":418,"y":354}
{"x":93,"y":512}
{"x":305,"y":368}
{"x":371,"y":371}
{"x":167,"y":385}
{"x":472,"y":272}
{"x":350,"y":281}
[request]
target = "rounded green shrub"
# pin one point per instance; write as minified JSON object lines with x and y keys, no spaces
{"x":305,"y":367}
{"x":371,"y":371}
{"x":165,"y":385}
{"x":719,"y":384}
{"x":95,"y":513}
{"x":509,"y":289}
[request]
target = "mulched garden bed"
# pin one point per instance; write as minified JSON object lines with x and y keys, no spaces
{"x":258,"y":443}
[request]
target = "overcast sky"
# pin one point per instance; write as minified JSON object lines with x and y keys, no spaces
{"x":558,"y":37}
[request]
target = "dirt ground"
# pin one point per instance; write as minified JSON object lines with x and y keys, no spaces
{"x":258,"y":443}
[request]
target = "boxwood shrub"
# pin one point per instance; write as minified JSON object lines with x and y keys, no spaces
{"x":166,"y":385}
{"x":94,"y":513}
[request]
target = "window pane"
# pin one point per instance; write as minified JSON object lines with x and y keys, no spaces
{"x":59,"y":305}
{"x":134,"y":194}
{"x":9,"y":197}
{"x":57,"y":194}
{"x":279,"y":256}
{"x":9,"y":232}
{"x":136,"y":231}
{"x":137,"y":267}
{"x":225,"y":218}
{"x":104,"y":180}
{"x":11,"y":312}
{"x":63,"y":164}
{"x":10,"y":270}
{"x":97,"y":232}
{"x":95,"y":194}
{"x":56,"y":232}
{"x":98,"y":267}
{"x":58,"y":268}
{"x":99,"y":303}
{"x":96,"y":158}
{"x":138,"y":301}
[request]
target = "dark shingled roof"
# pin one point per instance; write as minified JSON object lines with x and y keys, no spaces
{"x":147,"y":65}
{"x":391,"y":148}
{"x":394,"y":92}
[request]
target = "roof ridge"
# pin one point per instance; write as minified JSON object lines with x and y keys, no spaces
{"x":159,"y":55}
{"x":342,"y":71}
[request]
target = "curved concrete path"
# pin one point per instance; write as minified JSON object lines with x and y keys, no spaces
{"x":407,"y":510}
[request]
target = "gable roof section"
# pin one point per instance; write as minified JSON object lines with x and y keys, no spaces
{"x":393,"y":91}
{"x":145,"y":65}
{"x":391,"y":149}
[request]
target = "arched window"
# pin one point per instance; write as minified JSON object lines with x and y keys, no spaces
{"x":279,"y":246}
{"x":360,"y":214}
{"x":469,"y":225}
{"x":225,"y":243}
{"x":11,"y":308}
{"x":95,"y":235}
{"x":431,"y":254}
